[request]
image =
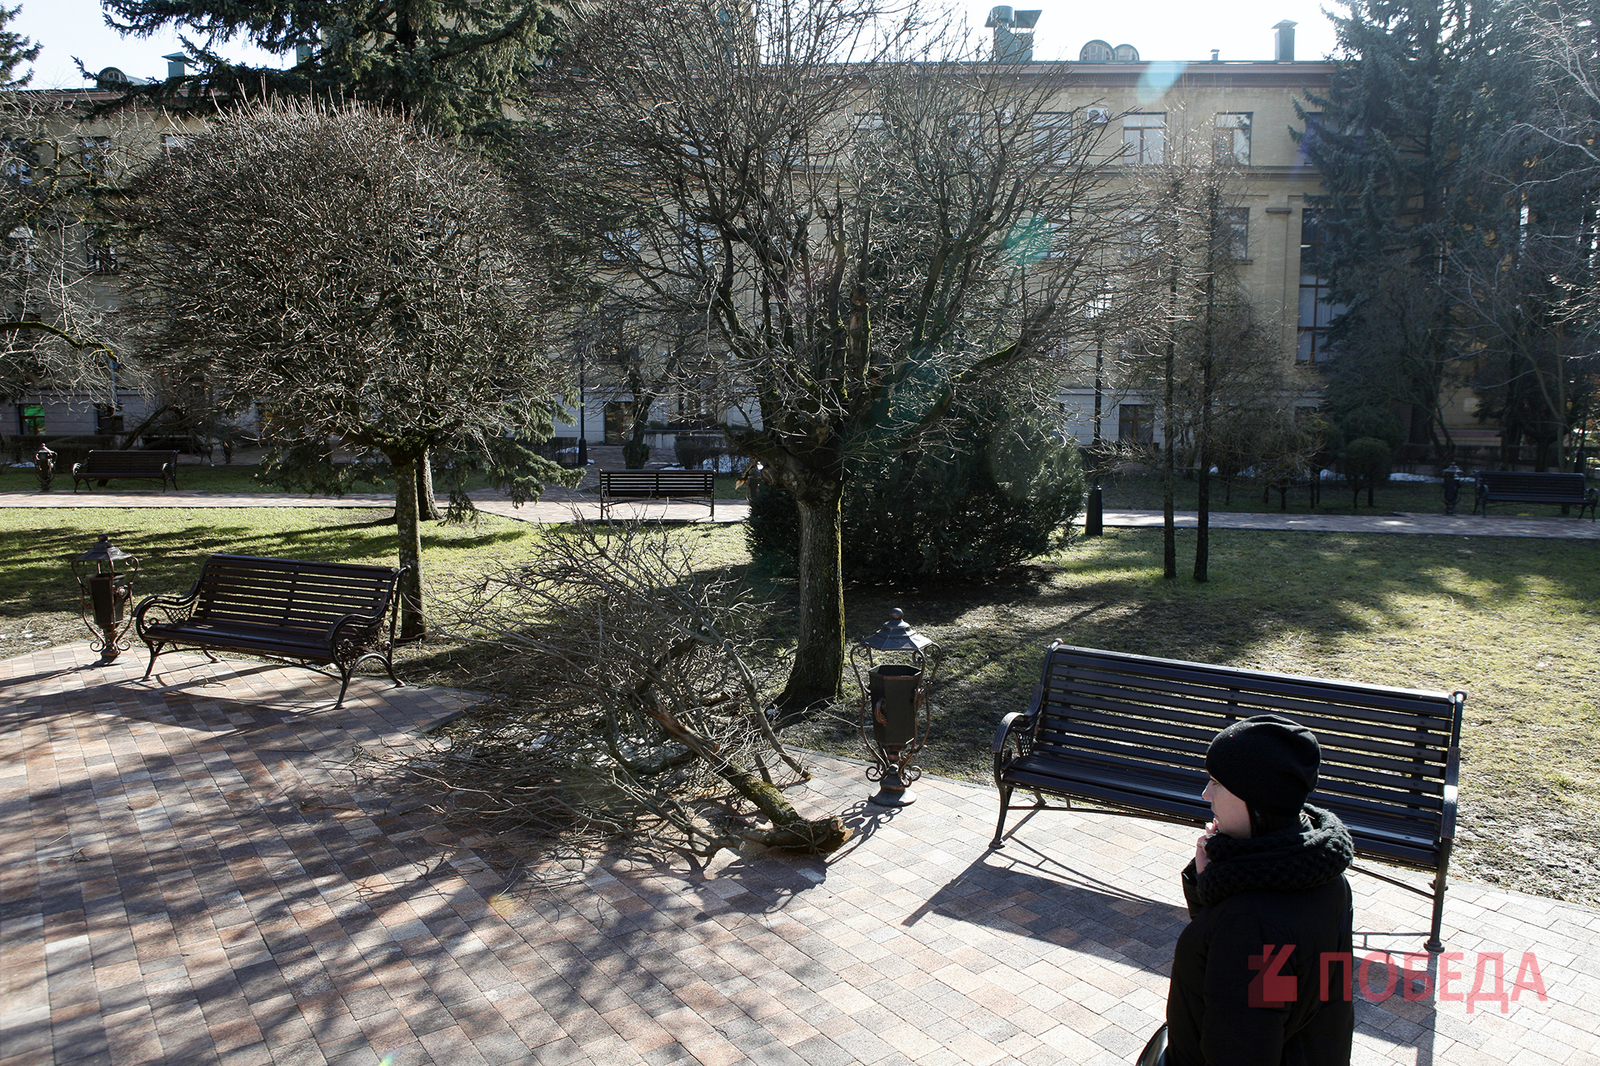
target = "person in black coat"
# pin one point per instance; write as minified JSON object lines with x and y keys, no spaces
{"x":1268,"y":902}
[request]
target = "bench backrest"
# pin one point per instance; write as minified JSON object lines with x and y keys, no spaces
{"x":655,"y":481}
{"x":121,"y":461}
{"x":1543,"y":484}
{"x":1389,"y":756}
{"x":291,"y":593}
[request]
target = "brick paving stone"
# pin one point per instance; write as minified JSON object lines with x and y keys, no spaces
{"x":197,"y":880}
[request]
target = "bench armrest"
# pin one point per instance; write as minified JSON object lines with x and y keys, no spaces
{"x":390,"y":609}
{"x":172,"y":608}
{"x":1452,"y":774}
{"x":1015,"y":734}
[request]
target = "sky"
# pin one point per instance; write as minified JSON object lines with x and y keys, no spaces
{"x":1159,"y":29}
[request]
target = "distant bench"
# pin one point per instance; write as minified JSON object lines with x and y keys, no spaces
{"x":298,"y":609}
{"x":1129,"y":733}
{"x":1521,"y":486}
{"x":103,"y":464}
{"x":618,"y":485}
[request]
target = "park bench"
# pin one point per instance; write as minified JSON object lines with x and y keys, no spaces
{"x":1128,"y":734}
{"x":618,"y":485}
{"x":1521,"y":486}
{"x":296,"y":609}
{"x":103,"y":464}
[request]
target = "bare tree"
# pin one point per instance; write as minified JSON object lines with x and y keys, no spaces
{"x":1218,"y":366}
{"x":55,"y":333}
{"x":632,"y":704}
{"x":858,"y":236}
{"x":360,"y":280}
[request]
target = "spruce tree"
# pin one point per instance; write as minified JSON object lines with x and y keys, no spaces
{"x":15,"y":49}
{"x":1387,"y":139}
{"x":456,"y":65}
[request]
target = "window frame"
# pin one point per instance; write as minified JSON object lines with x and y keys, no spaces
{"x":1151,"y":150}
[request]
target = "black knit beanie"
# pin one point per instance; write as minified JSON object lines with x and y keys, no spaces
{"x":1267,"y":761}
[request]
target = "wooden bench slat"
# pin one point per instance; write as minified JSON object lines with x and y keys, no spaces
{"x":1522,"y":486}
{"x":1426,"y":776}
{"x":102,"y":464}
{"x":1312,"y":691}
{"x":1131,"y":732}
{"x":307,"y":610}
{"x":657,"y":485}
{"x":1206,"y":721}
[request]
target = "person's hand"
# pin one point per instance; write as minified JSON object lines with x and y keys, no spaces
{"x":1200,"y":856}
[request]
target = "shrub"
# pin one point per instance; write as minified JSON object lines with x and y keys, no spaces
{"x":1366,"y":462}
{"x":1375,"y":422}
{"x":995,"y":486}
{"x":692,"y":452}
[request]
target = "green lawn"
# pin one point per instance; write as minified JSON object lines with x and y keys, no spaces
{"x":1514,"y":622}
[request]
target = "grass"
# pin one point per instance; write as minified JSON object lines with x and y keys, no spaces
{"x":1515,"y":622}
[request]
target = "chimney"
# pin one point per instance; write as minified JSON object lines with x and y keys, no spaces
{"x":177,"y":65}
{"x":1283,"y":34}
{"x":302,"y":54}
{"x":1013,"y":34}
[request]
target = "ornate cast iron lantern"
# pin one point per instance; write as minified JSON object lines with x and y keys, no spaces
{"x":1452,"y":488}
{"x":44,"y":466}
{"x":894,"y":704}
{"x":105,"y":576}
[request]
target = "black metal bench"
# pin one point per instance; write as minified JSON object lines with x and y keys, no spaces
{"x":1129,"y":733}
{"x":656,"y":485}
{"x":297,"y":609}
{"x":1522,"y":486}
{"x":103,"y":464}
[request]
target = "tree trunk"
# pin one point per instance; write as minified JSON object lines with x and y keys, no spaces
{"x":413,"y":625}
{"x":819,"y":652}
{"x":427,"y":506}
{"x":1169,"y":530}
{"x":1208,"y":355}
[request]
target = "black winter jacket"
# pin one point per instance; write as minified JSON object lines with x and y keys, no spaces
{"x":1231,"y":1001}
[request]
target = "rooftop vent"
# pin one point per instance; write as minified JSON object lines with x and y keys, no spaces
{"x":1013,"y":33}
{"x":177,"y":65}
{"x":1283,"y":34}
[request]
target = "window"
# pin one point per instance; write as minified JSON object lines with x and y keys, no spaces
{"x":1236,"y":227}
{"x":1317,"y":310}
{"x":1144,"y":138}
{"x":1135,"y":424}
{"x":171,"y":142}
{"x":30,"y":419}
{"x":101,"y":253}
{"x":1309,"y":138}
{"x":1052,"y":136}
{"x":1036,"y":235}
{"x":19,"y":159}
{"x":107,"y":419}
{"x":93,"y":153}
{"x":1233,"y":137}
{"x":19,"y":249}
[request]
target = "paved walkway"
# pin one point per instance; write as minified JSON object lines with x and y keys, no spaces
{"x":192,"y":876}
{"x":565,"y":505}
{"x":557,"y":505}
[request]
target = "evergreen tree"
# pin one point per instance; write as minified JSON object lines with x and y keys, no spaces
{"x":1387,"y":139}
{"x":454,"y":64}
{"x":1516,"y":274}
{"x":15,"y":50}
